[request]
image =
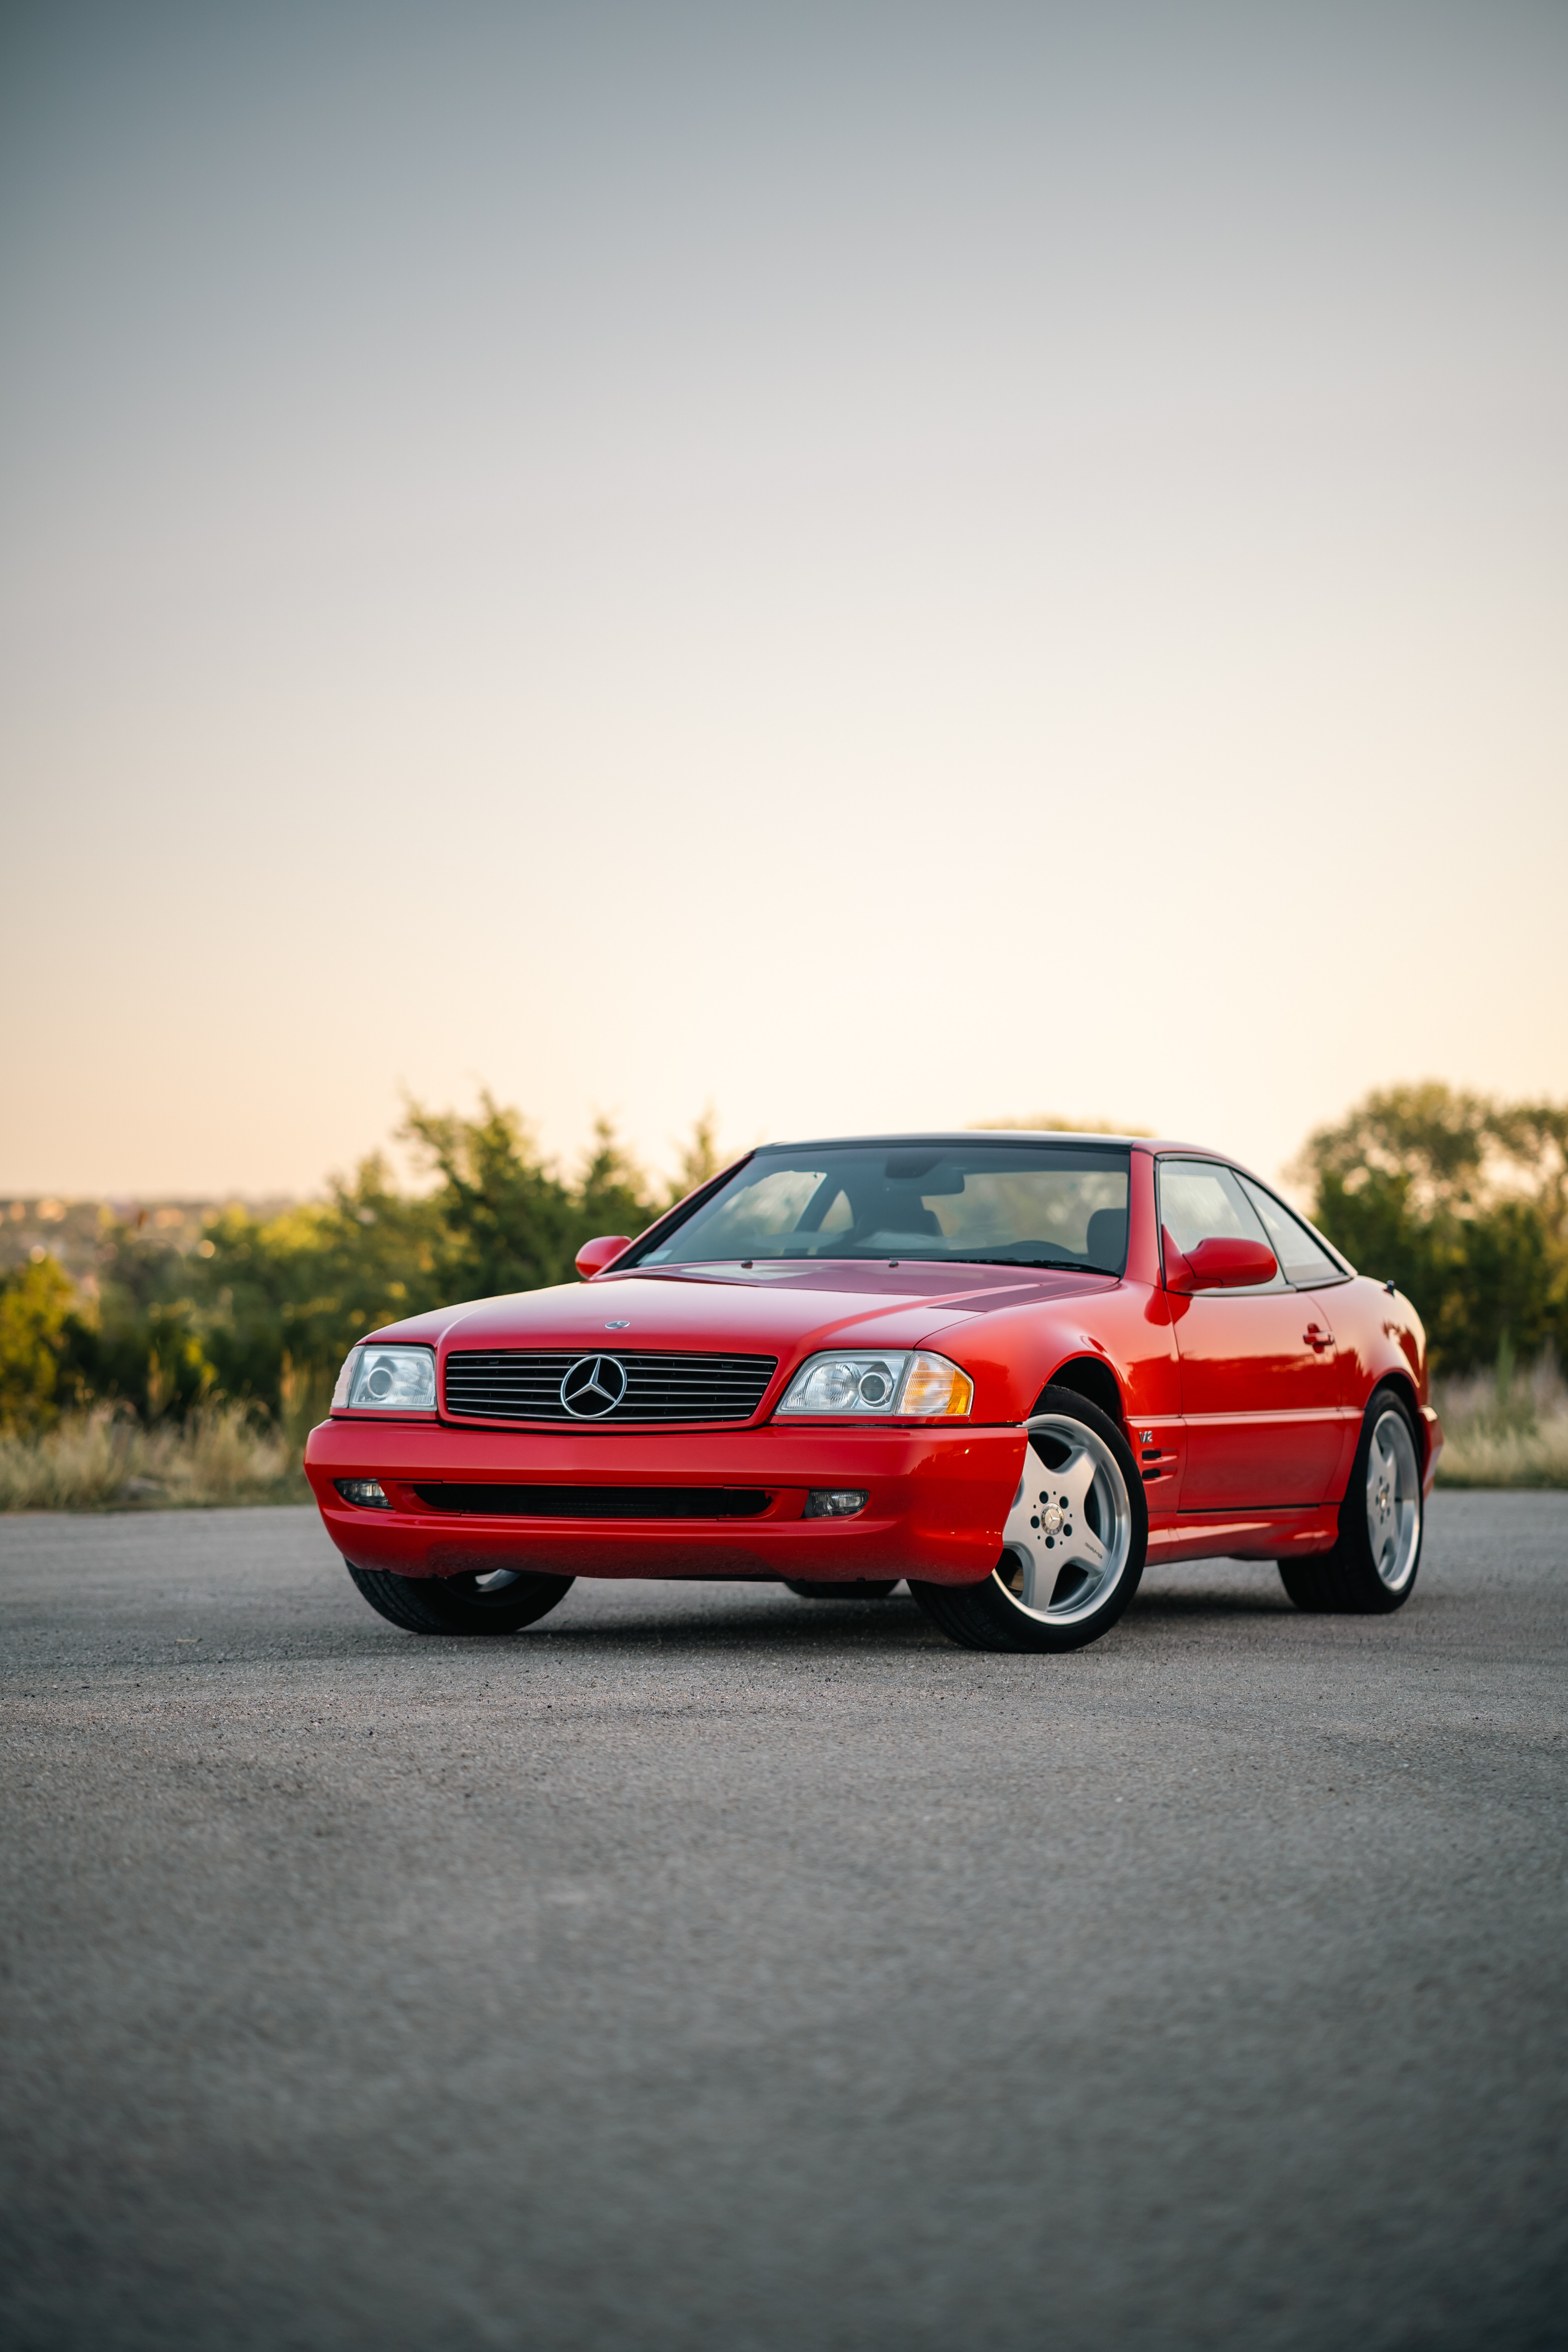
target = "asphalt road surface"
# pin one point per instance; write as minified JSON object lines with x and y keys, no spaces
{"x":712,"y":1969}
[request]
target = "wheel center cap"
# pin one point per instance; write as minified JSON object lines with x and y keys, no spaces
{"x":1051,"y":1520}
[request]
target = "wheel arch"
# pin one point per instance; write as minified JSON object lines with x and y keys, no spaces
{"x":1090,"y":1377}
{"x":1405,"y":1387}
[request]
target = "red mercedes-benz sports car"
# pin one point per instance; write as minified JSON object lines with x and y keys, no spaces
{"x":1010,"y":1368}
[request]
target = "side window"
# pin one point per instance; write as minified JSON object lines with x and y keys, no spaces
{"x":1200,"y":1200}
{"x":1305,"y":1260}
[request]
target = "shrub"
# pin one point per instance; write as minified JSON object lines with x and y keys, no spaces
{"x":37,"y":1321}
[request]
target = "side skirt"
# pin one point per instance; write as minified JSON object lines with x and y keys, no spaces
{"x":1246,"y":1535}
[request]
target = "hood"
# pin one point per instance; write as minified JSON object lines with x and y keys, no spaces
{"x":778,"y":1308}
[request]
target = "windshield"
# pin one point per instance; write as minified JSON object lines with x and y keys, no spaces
{"x":976,"y":1202}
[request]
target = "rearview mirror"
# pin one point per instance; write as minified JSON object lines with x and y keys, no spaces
{"x":603,"y":1251}
{"x":1224,"y":1262}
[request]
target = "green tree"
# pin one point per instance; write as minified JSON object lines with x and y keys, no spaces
{"x":141,"y":1342}
{"x":1460,"y":1199}
{"x":612,"y":1195}
{"x":282,"y":1301}
{"x":38,"y":1319}
{"x":265,"y":1309}
{"x":508,"y":1221}
{"x":700,"y":1159}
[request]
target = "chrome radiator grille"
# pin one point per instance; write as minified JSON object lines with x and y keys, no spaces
{"x":521,"y":1384}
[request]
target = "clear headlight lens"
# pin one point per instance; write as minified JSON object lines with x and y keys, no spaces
{"x":387,"y":1379}
{"x":885,"y":1385}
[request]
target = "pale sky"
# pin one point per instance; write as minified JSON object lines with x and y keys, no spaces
{"x":868,"y":566}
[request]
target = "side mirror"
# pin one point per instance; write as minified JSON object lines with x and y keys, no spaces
{"x":596,"y":1256}
{"x":1225,"y":1262}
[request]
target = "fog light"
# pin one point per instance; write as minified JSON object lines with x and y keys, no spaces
{"x":368,"y":1493}
{"x":833,"y":1503}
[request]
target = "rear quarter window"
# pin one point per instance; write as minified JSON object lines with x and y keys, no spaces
{"x":1305,"y":1260}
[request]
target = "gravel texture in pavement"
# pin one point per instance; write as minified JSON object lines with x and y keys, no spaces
{"x":708,"y":1967}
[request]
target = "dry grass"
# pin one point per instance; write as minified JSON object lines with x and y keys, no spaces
{"x":1505,"y":1428}
{"x":103,"y":1460}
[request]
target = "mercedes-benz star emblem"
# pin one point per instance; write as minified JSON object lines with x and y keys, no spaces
{"x":593,"y":1386}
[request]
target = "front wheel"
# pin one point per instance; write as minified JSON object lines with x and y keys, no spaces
{"x":1371,"y":1568}
{"x":1073,"y":1546}
{"x":502,"y":1602}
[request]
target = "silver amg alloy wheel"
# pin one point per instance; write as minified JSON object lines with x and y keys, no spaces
{"x":1072,"y":1544}
{"x":1068,"y":1536}
{"x":1393,"y":1500}
{"x":1372,"y":1566}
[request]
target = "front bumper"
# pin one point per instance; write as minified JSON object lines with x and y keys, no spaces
{"x":937,"y":1500}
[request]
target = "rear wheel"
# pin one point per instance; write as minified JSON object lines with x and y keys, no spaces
{"x":502,"y":1602}
{"x":1371,"y":1568}
{"x":865,"y":1588}
{"x":1073,"y":1546}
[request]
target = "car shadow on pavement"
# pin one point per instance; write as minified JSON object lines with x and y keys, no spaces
{"x":1262,"y":1595}
{"x":801,"y":1624}
{"x":620,"y":1617}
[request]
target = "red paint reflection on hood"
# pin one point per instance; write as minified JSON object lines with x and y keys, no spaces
{"x":771,"y":1306}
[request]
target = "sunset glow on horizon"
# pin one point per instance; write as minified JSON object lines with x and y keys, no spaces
{"x":867,"y":569}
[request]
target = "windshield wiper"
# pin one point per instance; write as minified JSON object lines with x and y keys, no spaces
{"x":1050,"y":1265}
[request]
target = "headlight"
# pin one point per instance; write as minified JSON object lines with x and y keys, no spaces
{"x":885,"y":1386}
{"x":387,"y":1379}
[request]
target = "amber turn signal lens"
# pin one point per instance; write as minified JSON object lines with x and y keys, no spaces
{"x":937,"y":1390}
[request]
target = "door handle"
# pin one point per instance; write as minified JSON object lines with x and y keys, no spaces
{"x":1316,"y":1337}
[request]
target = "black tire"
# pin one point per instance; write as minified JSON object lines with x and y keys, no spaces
{"x":991,"y":1616}
{"x":1304,"y":1585}
{"x":865,"y":1588}
{"x":1349,"y":1582}
{"x":459,"y":1604}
